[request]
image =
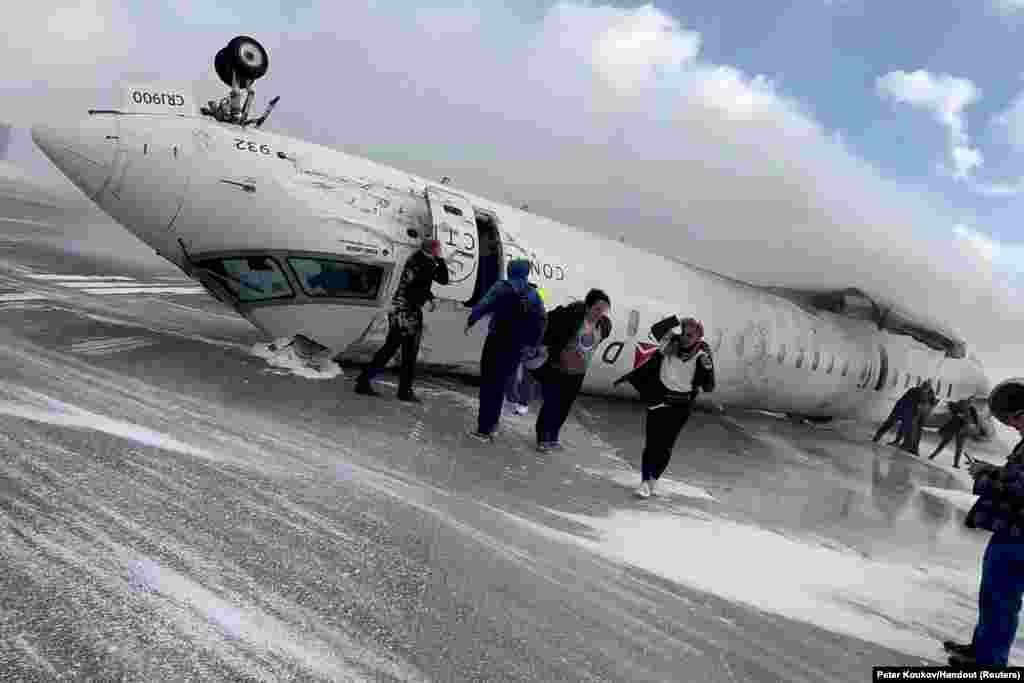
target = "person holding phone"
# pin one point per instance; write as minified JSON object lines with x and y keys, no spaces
{"x":999,"y":509}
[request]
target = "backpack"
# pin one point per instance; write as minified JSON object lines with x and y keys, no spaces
{"x":514,"y":326}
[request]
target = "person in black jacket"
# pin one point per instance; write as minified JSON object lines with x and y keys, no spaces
{"x":573,"y":334}
{"x":961,"y":415}
{"x":669,"y":381}
{"x":901,"y":413}
{"x":405,"y":320}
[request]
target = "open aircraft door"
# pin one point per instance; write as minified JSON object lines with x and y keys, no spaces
{"x":454,"y":224}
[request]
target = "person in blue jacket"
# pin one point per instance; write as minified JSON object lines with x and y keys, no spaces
{"x":517,"y":322}
{"x":999,"y":509}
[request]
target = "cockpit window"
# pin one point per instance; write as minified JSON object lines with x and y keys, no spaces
{"x":332,"y":278}
{"x":250,"y":278}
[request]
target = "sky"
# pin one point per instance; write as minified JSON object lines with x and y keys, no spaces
{"x":813,"y":143}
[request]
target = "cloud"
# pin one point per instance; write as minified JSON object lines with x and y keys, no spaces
{"x":607,"y":118}
{"x":945,"y":97}
{"x":1007,"y":7}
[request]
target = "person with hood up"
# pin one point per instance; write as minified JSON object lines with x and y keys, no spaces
{"x":522,"y":387}
{"x":573,"y":334}
{"x":999,"y":509}
{"x":669,"y":381}
{"x":517,"y":322}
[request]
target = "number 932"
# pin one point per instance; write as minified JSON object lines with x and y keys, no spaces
{"x":250,"y":146}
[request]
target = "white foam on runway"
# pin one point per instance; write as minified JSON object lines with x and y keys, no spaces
{"x":284,"y":356}
{"x":41,"y":408}
{"x":905,"y":608}
{"x":144,"y":290}
{"x":962,"y":500}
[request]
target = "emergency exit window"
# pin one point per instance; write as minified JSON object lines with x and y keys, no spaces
{"x":634,"y":323}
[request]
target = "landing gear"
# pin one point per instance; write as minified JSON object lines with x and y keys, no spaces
{"x":239,"y":64}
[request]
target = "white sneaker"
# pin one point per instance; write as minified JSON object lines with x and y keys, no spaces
{"x":644,"y":491}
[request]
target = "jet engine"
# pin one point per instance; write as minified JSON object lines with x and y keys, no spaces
{"x":239,"y":64}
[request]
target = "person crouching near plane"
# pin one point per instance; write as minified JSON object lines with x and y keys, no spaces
{"x":574,"y":332}
{"x":925,"y":405}
{"x":902,"y":413}
{"x":405,"y":319}
{"x":669,"y":381}
{"x":999,"y":509}
{"x":517,"y":322}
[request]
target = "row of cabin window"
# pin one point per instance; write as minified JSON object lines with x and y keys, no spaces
{"x":634,"y":325}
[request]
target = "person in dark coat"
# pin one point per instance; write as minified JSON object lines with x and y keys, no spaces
{"x":925,"y":405}
{"x":901,"y":413}
{"x":517,"y":322}
{"x":573,"y":334}
{"x":405,"y":320}
{"x":961,"y":415}
{"x":669,"y":381}
{"x":999,"y":509}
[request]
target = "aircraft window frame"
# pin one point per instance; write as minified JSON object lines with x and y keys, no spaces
{"x":906,"y":385}
{"x":634,"y":323}
{"x":454,"y":210}
{"x":719,"y":337}
{"x":781,"y":356}
{"x":817,"y":360}
{"x":918,"y":381}
{"x":895,"y":379}
{"x":846,"y":367}
{"x":228,"y":279}
{"x":949,"y":389}
{"x":938,"y":387}
{"x":831,"y":363}
{"x":301,"y":276}
{"x":800,"y":358}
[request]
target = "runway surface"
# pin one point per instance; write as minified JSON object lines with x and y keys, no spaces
{"x":178,"y":503}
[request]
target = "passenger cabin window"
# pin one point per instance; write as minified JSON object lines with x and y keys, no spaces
{"x":800,"y":358}
{"x":831,"y":364}
{"x":782,"y":354}
{"x":322,"y":277}
{"x":454,"y":210}
{"x":949,"y":389}
{"x":719,"y":336}
{"x":634,"y":323}
{"x":906,"y":385}
{"x":895,"y":378}
{"x":846,"y":367}
{"x":250,"y":278}
{"x":918,"y":380}
{"x":817,"y":360}
{"x":938,"y":387}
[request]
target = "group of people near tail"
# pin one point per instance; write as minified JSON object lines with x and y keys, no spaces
{"x":530,"y":351}
{"x":913,"y":409}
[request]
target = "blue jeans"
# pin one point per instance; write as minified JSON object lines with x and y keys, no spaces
{"x":999,"y":600}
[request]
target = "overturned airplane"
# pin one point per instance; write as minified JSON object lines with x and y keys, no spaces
{"x":255,"y":217}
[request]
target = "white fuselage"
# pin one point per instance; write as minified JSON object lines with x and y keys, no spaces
{"x":203,"y":192}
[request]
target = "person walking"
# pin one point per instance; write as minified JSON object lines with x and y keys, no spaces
{"x":669,"y":382}
{"x":961,"y":416}
{"x":573,"y":334}
{"x":405,"y":320}
{"x":517,"y":322}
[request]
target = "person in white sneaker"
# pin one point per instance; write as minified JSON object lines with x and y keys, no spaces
{"x":669,"y":381}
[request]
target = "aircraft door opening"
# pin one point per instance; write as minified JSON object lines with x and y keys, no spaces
{"x":455,"y":227}
{"x":489,"y":270}
{"x":883,"y":367}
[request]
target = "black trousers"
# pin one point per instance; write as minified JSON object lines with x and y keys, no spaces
{"x":946,"y":438}
{"x":410,"y":345}
{"x":497,"y":365}
{"x":559,"y":391}
{"x":664,"y":422}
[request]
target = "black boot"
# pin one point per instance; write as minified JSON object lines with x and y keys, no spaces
{"x":963,"y":650}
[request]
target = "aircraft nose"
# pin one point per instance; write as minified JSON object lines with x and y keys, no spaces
{"x":84,"y":152}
